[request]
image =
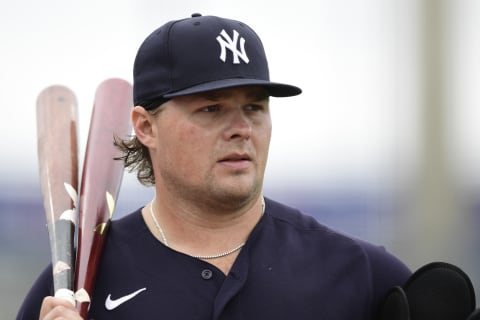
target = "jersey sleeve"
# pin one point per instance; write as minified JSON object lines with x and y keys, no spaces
{"x":43,"y":286}
{"x":387,"y":271}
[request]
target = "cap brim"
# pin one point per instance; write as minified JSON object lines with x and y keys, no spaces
{"x":274,"y":89}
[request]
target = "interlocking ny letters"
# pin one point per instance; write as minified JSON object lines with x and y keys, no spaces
{"x":226,"y":42}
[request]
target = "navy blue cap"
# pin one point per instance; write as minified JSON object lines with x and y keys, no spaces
{"x":200,"y":54}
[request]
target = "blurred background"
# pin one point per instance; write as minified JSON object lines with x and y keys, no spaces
{"x":383,"y":143}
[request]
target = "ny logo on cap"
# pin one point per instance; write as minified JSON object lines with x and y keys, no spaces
{"x":226,"y":42}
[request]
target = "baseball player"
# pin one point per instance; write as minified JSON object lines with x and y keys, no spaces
{"x":211,"y":245}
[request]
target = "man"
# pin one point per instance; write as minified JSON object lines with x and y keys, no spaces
{"x":209,"y":245}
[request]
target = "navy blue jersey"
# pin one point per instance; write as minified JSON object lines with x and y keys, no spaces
{"x":292,"y":267}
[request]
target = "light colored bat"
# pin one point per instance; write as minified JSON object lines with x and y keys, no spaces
{"x":58,"y":167}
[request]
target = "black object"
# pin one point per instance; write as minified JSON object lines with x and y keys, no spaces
{"x":436,"y":291}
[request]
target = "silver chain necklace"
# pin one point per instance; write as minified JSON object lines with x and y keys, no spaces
{"x":207,"y":257}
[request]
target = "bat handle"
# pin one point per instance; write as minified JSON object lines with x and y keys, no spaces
{"x":63,"y":259}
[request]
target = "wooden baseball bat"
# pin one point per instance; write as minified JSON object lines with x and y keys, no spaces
{"x":58,"y":167}
{"x":101,"y":180}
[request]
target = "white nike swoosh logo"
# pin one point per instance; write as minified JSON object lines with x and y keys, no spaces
{"x":112,"y":304}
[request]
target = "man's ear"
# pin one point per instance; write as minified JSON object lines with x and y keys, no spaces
{"x":144,"y":126}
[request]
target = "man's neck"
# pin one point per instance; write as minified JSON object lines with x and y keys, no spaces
{"x":198,"y":233}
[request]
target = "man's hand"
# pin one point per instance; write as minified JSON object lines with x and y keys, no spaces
{"x":56,"y":308}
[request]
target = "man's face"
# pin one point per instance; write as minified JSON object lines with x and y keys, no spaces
{"x":213,"y":146}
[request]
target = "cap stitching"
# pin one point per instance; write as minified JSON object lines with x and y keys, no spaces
{"x":169,"y":57}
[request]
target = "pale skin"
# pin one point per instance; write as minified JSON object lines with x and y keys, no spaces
{"x":58,"y":309}
{"x":209,"y":153}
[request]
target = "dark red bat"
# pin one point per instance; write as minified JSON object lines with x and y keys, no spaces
{"x":58,"y":165}
{"x":101,"y":180}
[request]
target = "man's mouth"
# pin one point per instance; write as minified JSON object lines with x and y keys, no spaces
{"x":235,"y":158}
{"x":236,"y":161}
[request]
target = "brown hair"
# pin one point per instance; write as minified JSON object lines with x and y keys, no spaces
{"x":136,"y":156}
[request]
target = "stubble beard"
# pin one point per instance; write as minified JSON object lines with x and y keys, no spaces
{"x":214,"y":193}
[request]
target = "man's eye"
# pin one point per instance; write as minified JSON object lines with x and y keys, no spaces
{"x":254,"y":107}
{"x":213,"y":108}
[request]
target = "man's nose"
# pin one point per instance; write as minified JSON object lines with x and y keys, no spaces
{"x":239,"y":126}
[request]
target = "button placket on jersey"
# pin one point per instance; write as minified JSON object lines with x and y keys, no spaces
{"x":206,"y":274}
